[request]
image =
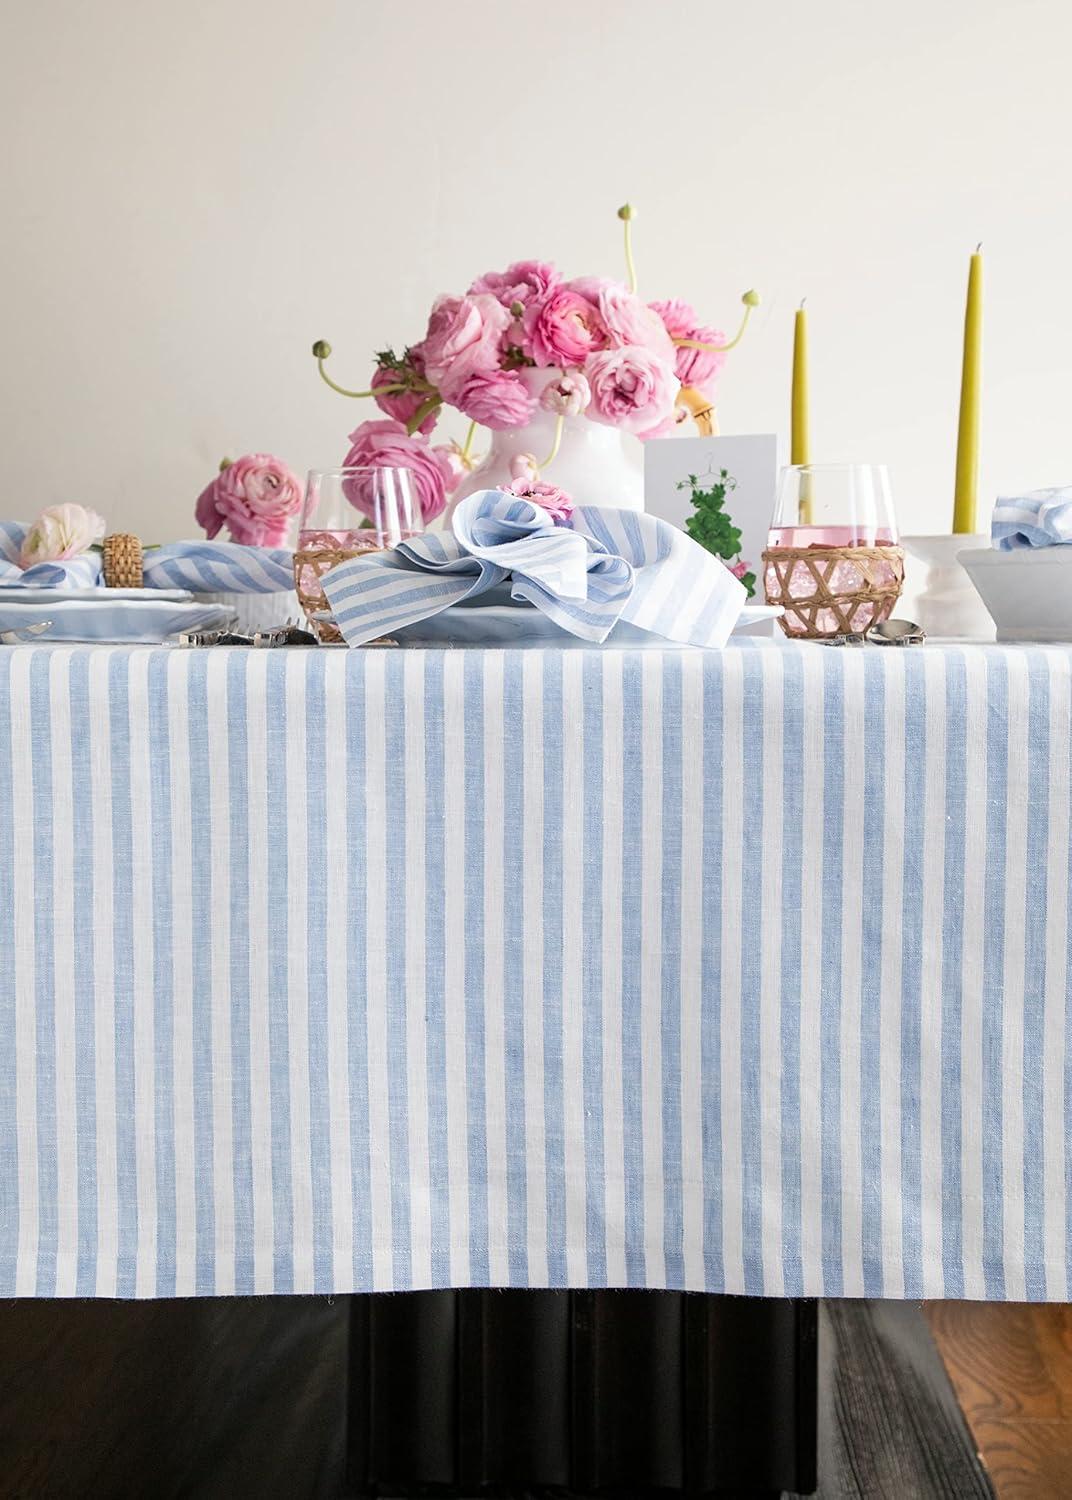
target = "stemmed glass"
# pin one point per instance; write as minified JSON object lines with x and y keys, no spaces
{"x":348,"y":512}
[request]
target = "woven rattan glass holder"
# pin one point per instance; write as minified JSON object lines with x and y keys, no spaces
{"x":830,"y":591}
{"x":310,"y":565}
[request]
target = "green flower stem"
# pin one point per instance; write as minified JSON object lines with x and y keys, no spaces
{"x":555,"y":446}
{"x":467,"y":446}
{"x":750,"y":300}
{"x":425,"y":409}
{"x":381,"y":390}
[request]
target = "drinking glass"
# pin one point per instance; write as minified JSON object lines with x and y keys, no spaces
{"x":348,"y":512}
{"x":832,"y":560}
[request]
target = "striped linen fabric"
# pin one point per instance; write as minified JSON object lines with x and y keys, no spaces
{"x":1042,"y":518}
{"x":203,"y":567}
{"x":339,"y":971}
{"x":606,"y":565}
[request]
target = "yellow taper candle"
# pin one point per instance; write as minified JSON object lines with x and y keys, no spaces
{"x":966,"y":494}
{"x":798,"y":447}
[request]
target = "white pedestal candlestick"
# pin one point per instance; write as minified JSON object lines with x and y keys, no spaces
{"x":938,"y":594}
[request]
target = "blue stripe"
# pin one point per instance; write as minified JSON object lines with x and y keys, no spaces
{"x":875,"y":771}
{"x":993,"y":974}
{"x":85,"y":1041}
{"x":163,"y":972}
{"x":792,"y":862}
{"x":751,"y":972}
{"x":241,"y":1122}
{"x":321,"y":805}
{"x":1036,"y":915}
{"x":632,"y":921}
{"x":278,"y":898}
{"x":44,"y":976}
{"x":830,"y":965}
{"x":9,"y":1141}
{"x":435,"y":953}
{"x":592,"y":1000}
{"x":356,"y":984}
{"x":123,"y":975}
{"x":395,"y":918}
{"x":204,"y":900}
{"x":476,"y":1073}
{"x":514,"y":917}
{"x":672,"y":999}
{"x":554,"y":1118}
{"x":956,"y":751}
{"x":915,"y":753}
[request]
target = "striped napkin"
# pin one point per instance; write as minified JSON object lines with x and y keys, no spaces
{"x":605,"y":566}
{"x":1041,"y":518}
{"x":203,"y":567}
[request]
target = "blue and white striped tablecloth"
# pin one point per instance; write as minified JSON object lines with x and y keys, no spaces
{"x":328,"y":970}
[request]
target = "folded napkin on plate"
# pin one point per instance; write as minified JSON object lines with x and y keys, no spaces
{"x":203,"y":567}
{"x":604,"y":566}
{"x":1041,"y":518}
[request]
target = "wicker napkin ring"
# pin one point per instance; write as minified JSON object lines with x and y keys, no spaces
{"x":122,"y":558}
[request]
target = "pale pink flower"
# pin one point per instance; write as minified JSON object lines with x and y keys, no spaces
{"x":631,"y":388}
{"x":557,"y":504}
{"x":564,"y":327}
{"x":524,"y":466}
{"x":695,"y":367}
{"x":402,"y":405}
{"x":254,"y":498}
{"x":495,"y":398}
{"x":469,"y":328}
{"x":566,"y":394}
{"x":387,"y":444}
{"x":627,"y":319}
{"x":521,"y":282}
{"x":61,"y":532}
{"x":740,"y":568}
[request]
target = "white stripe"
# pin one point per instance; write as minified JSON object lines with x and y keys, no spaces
{"x":376,"y":974}
{"x":23,"y":817}
{"x":100,"y":750}
{"x":416,"y":1028}
{"x":811,"y":968}
{"x":573,"y":854}
{"x":691,"y":886}
{"x":890,"y":992}
{"x":63,"y":957}
{"x":297,"y":871}
{"x":1056,"y":1146}
{"x":260,"y":1068}
{"x":219,"y":938}
{"x":495,"y":997}
{"x":339,"y":897}
{"x":971,"y":1060}
{"x":182,"y":942}
{"x":532,"y":965}
{"x":932,"y":878}
{"x":853,"y":994}
{"x":143,"y":897}
{"x":1013,"y":997}
{"x":651,"y":978}
{"x":454,"y":871}
{"x":769,"y":917}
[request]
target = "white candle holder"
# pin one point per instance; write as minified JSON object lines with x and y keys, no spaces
{"x":938,"y":594}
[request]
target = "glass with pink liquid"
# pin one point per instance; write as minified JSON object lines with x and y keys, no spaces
{"x":832,"y":560}
{"x":347,"y":512}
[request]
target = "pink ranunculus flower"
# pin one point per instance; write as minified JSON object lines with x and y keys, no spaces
{"x":469,"y":328}
{"x":557,"y":504}
{"x":695,"y":367}
{"x":61,"y":532}
{"x":495,"y":398}
{"x":521,"y":282}
{"x":626,"y":318}
{"x":402,"y":405}
{"x":566,"y":394}
{"x":254,"y":498}
{"x":631,"y":388}
{"x":564,"y":327}
{"x":387,"y":444}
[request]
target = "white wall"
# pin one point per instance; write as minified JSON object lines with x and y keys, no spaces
{"x":196,"y":191}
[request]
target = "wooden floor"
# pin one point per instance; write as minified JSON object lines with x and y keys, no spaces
{"x":1011,"y":1367}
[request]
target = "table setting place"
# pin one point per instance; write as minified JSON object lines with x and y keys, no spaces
{"x":493,"y":864}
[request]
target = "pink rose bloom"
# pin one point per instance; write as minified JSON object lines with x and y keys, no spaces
{"x":564,"y":327}
{"x":631,"y":388}
{"x":469,"y":328}
{"x":567,"y":394}
{"x":254,"y":497}
{"x":631,"y":322}
{"x":387,"y":444}
{"x":522,"y":282}
{"x":557,"y":504}
{"x":401,"y":404}
{"x":495,"y":398}
{"x":696,"y":367}
{"x":60,"y":532}
{"x":740,"y":568}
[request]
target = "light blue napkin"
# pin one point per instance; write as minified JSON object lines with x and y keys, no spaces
{"x":1041,"y":518}
{"x":605,"y":565}
{"x":204,"y":567}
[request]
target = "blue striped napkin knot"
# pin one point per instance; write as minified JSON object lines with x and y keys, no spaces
{"x":605,"y":565}
{"x":204,"y":567}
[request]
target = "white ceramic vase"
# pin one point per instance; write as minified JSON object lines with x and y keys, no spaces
{"x":595,"y":464}
{"x":938,"y":594}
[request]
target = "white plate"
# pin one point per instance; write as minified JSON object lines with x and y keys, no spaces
{"x":22,"y":593}
{"x":519,"y":625}
{"x":137,"y":621}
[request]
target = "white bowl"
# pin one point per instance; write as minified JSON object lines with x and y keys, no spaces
{"x":1028,"y":592}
